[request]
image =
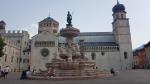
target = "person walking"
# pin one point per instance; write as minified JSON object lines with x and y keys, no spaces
{"x":2,"y":74}
{"x":23,"y":75}
{"x":112,"y":71}
{"x":6,"y":71}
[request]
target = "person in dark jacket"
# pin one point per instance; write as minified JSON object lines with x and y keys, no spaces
{"x":112,"y":71}
{"x":2,"y":74}
{"x":23,"y":75}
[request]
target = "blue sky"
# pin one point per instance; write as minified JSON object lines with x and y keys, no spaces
{"x":88,"y":15}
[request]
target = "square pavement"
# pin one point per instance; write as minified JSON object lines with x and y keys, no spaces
{"x":123,"y":77}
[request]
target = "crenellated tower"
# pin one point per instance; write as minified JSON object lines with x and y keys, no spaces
{"x":121,"y":29}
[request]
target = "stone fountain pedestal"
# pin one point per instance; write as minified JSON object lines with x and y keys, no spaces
{"x":70,"y":63}
{"x":70,"y":68}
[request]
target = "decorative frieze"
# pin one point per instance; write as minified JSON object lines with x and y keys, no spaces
{"x":44,"y":43}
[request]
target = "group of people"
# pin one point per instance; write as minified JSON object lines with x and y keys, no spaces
{"x":4,"y":72}
{"x":26,"y":73}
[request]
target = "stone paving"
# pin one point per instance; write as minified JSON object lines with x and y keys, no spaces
{"x":123,"y":77}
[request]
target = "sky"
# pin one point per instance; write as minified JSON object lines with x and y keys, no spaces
{"x":88,"y":15}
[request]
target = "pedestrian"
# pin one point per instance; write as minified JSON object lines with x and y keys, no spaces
{"x":112,"y":71}
{"x":0,"y":68}
{"x":0,"y":71}
{"x":23,"y":75}
{"x":2,"y":74}
{"x":6,"y":71}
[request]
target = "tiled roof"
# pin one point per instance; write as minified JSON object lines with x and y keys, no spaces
{"x":48,"y":19}
{"x":139,"y":48}
{"x":147,"y":45}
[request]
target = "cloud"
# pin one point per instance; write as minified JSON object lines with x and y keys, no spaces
{"x":32,"y":29}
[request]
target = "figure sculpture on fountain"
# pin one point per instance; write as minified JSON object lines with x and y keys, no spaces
{"x":69,"y":18}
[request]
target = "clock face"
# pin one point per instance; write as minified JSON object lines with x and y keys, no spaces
{"x":44,"y":52}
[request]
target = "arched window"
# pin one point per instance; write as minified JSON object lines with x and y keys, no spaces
{"x":93,"y":56}
{"x":121,"y":16}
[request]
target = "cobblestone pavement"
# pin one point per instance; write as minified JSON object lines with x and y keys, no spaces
{"x":123,"y":77}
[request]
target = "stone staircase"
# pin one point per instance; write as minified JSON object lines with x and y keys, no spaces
{"x":61,"y":73}
{"x":71,"y":75}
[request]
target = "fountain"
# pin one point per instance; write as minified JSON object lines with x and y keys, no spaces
{"x":70,"y":64}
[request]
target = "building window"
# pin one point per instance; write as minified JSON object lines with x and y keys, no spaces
{"x":81,"y":42}
{"x":12,"y":57}
{"x":17,"y":59}
{"x":20,"y":60}
{"x":125,"y":55}
{"x":45,"y":44}
{"x":24,"y":60}
{"x":117,"y":16}
{"x":18,"y":41}
{"x":102,"y":53}
{"x":93,"y":56}
{"x":5,"y":58}
{"x":121,"y":16}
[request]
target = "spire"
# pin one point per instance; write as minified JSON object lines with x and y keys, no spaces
{"x":118,"y":2}
{"x":49,"y":14}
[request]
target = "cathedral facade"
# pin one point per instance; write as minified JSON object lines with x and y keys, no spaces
{"x":107,"y":49}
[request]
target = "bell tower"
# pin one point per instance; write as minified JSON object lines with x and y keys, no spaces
{"x":121,"y":30}
{"x":48,"y":24}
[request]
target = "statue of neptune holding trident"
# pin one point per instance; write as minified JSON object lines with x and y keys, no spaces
{"x":69,"y":18}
